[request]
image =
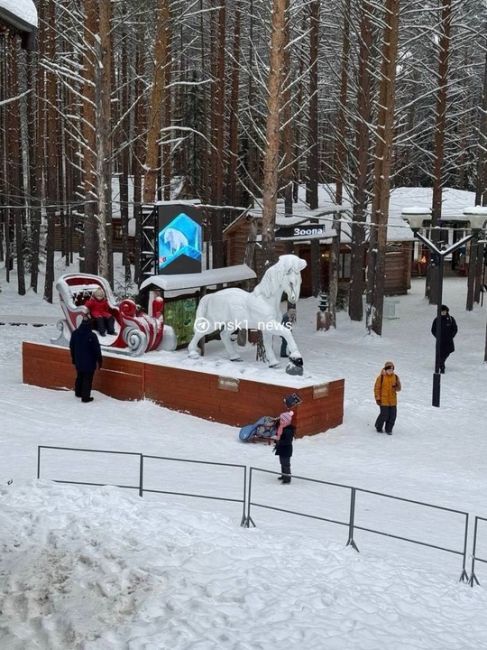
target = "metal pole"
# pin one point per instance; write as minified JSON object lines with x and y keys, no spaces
{"x":440,"y":254}
{"x":437,"y":374}
{"x":351,"y":521}
{"x":38,"y":461}
{"x":141,"y":476}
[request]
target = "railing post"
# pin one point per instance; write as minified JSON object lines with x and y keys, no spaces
{"x":244,"y":503}
{"x":247,"y":520}
{"x":473,"y":578}
{"x":38,"y":461}
{"x":351,"y":522}
{"x":464,"y":576}
{"x":141,"y":476}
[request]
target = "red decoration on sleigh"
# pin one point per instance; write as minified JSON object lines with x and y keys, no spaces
{"x":137,"y":332}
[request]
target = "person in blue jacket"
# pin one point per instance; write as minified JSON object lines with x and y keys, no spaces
{"x":86,"y":356}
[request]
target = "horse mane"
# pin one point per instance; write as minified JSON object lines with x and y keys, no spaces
{"x":270,"y":282}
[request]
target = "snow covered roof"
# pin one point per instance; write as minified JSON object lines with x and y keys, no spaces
{"x":21,"y":14}
{"x":207,"y":278}
{"x":397,"y":230}
{"x":179,"y":202}
{"x":477,"y":209}
{"x":418,"y":200}
{"x":403,"y":201}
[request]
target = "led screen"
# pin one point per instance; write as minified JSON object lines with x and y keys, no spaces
{"x":180,"y":245}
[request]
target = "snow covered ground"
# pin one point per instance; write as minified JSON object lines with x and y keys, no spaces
{"x":100,"y":568}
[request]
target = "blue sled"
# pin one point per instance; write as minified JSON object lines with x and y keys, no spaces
{"x":265,"y":427}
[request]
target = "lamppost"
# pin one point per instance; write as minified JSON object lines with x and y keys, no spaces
{"x":439,"y":256}
{"x":415,"y":218}
{"x":477,"y":217}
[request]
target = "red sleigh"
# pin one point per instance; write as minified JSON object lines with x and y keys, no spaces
{"x":136,"y":331}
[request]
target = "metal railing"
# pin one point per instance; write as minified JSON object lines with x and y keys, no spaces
{"x":141,"y":487}
{"x":204,"y":496}
{"x":475,"y":558}
{"x":247,"y":501}
{"x":352,"y":526}
{"x":138,"y":487}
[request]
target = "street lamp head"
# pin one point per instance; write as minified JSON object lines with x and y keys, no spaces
{"x":416,"y":216}
{"x":477,"y":216}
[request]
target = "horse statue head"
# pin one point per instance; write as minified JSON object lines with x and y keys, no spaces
{"x":284,"y":274}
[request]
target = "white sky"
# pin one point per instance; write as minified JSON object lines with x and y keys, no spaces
{"x":102,"y":569}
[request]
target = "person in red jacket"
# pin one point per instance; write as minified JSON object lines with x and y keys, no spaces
{"x":100,"y":312}
{"x":386,"y":387}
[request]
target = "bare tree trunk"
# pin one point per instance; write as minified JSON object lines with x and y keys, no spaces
{"x":432,"y":278}
{"x":52,"y":137}
{"x":362,"y":156}
{"x":166,"y":149}
{"x":233,"y":119}
{"x":14,"y":168}
{"x":382,"y":169}
{"x":481,"y":181}
{"x":339,"y":161}
{"x":271,"y":154}
{"x":90,"y":262}
{"x":156,"y":100}
{"x":287,"y":142}
{"x":138,"y":154}
{"x":124,"y":156}
{"x":313,"y":158}
{"x":218,"y":133}
{"x":340,"y":145}
{"x":35,"y":139}
{"x":103,"y":140}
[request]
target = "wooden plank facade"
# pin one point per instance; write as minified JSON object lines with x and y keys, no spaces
{"x":398,"y":259}
{"x":205,"y":395}
{"x":62,"y":232}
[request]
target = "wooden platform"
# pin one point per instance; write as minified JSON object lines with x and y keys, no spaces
{"x":231,"y":401}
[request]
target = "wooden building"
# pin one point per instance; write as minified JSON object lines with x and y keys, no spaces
{"x":294,"y":234}
{"x":19,"y":19}
{"x":69,"y":235}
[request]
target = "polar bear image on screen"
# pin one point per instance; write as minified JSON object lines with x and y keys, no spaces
{"x":175,"y":239}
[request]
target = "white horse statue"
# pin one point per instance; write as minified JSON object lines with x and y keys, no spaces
{"x":231,"y":309}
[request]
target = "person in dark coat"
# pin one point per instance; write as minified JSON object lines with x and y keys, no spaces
{"x":284,"y":449}
{"x":85,"y":355}
{"x":448,"y":332}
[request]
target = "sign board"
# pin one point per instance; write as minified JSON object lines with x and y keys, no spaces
{"x":179,"y":239}
{"x":310,"y":231}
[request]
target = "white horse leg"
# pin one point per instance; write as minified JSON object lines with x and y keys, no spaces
{"x":277,"y":329}
{"x":225,"y":336}
{"x":292,"y":348}
{"x":295,"y":365}
{"x":269,"y":352}
{"x":193,"y":350}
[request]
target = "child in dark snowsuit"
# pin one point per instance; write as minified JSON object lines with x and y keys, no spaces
{"x":284,"y":449}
